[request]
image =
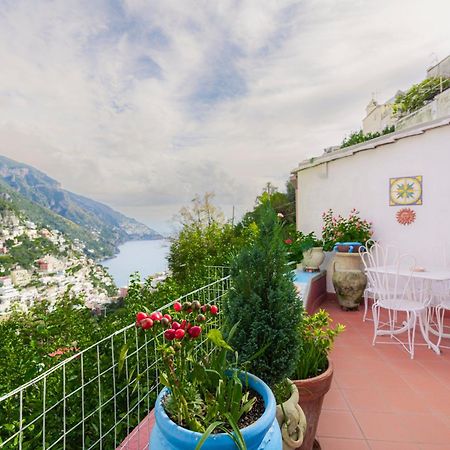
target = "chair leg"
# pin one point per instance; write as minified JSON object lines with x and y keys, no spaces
{"x":412,"y":333}
{"x":375,"y":315}
{"x":440,"y":313}
{"x":366,"y":304}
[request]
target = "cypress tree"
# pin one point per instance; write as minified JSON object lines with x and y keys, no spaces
{"x":264,"y":302}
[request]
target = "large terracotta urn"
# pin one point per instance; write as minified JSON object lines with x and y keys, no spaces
{"x":311,"y":394}
{"x":348,"y":278}
{"x":349,"y":286}
{"x":292,"y":420}
{"x":312,"y":259}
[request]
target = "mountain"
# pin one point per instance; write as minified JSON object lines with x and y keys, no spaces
{"x":45,"y":202}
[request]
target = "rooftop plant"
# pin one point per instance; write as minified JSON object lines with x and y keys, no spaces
{"x":263,"y":304}
{"x":340,"y":229}
{"x":358,"y":136}
{"x":419,"y":95}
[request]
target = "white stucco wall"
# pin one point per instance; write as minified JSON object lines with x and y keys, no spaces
{"x":362,"y":181}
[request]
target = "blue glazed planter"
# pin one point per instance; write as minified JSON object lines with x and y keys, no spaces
{"x":264,"y":434}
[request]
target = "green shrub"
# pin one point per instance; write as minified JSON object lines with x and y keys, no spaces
{"x":419,"y":95}
{"x":358,"y":136}
{"x":264,"y":303}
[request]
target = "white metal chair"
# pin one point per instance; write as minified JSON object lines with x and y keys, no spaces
{"x":399,"y":294}
{"x":373,"y":254}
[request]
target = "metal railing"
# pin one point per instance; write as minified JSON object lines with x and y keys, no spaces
{"x":98,"y":398}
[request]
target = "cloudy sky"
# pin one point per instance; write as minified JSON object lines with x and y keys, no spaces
{"x":142,"y":104}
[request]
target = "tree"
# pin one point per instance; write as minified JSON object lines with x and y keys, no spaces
{"x":263,"y":303}
{"x":204,"y":240}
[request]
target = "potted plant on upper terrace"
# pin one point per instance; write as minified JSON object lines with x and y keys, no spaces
{"x":203,"y":394}
{"x":346,"y":235}
{"x":306,"y":250}
{"x":264,"y":307}
{"x":314,"y":370}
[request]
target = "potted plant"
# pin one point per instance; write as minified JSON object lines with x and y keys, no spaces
{"x":312,"y":249}
{"x":346,"y":235}
{"x":314,"y":370}
{"x":203,"y":394}
{"x":306,"y":250}
{"x":263,"y":306}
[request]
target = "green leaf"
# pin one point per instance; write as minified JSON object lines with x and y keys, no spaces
{"x":237,"y":436}
{"x":122,"y":356}
{"x":207,"y":433}
{"x":215,"y":336}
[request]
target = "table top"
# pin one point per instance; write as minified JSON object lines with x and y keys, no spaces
{"x":432,"y":273}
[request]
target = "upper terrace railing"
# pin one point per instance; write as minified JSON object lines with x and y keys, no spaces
{"x":96,"y":397}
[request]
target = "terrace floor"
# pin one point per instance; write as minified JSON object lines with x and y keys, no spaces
{"x":380,"y":399}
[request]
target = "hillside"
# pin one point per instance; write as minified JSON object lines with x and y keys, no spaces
{"x":98,"y":225}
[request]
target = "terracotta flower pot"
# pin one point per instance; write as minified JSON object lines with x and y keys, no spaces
{"x":311,"y":394}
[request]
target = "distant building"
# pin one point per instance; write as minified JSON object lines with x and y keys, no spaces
{"x":441,"y":69}
{"x":378,"y":117}
{"x":8,"y":294}
{"x":20,"y":277}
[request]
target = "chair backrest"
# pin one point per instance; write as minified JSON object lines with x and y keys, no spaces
{"x":394,"y":282}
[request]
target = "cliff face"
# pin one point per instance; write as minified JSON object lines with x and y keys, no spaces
{"x":106,"y":226}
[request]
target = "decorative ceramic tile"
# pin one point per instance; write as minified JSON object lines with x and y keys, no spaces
{"x":405,"y":191}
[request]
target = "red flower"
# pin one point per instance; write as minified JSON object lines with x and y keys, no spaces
{"x":194,"y":331}
{"x":175,"y":325}
{"x":179,"y":334}
{"x":201,"y":318}
{"x":177,"y":306}
{"x":288,"y":241}
{"x":140,"y":316}
{"x":214,"y":310}
{"x":147,"y":323}
{"x":169,"y":334}
{"x":168,"y":317}
{"x":157,"y":316}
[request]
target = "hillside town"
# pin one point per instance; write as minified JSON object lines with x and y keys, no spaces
{"x":62,"y":267}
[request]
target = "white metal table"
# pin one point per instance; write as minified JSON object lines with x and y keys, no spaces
{"x":428,"y":277}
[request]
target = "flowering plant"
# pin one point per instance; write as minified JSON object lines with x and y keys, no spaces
{"x":317,"y":338}
{"x":340,"y":229}
{"x":204,"y":393}
{"x":300,"y":243}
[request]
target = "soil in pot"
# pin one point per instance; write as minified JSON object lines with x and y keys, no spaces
{"x":247,"y":419}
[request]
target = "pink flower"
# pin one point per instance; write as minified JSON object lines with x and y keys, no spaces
{"x":288,"y":241}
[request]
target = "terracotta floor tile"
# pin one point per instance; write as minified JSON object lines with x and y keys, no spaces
{"x":343,"y":444}
{"x":335,"y":400}
{"x":382,"y":426}
{"x":433,"y":446}
{"x":406,"y":401}
{"x":383,"y":445}
{"x":338,"y":424}
{"x":366,"y":399}
{"x":426,"y":429}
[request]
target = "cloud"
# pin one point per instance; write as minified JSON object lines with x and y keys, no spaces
{"x":144,"y":104}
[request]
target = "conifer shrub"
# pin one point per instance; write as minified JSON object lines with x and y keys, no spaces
{"x":264,"y":303}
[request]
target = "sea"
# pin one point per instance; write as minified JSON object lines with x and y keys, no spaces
{"x":145,"y":257}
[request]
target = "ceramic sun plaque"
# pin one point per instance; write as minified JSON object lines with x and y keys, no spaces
{"x":405,"y":191}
